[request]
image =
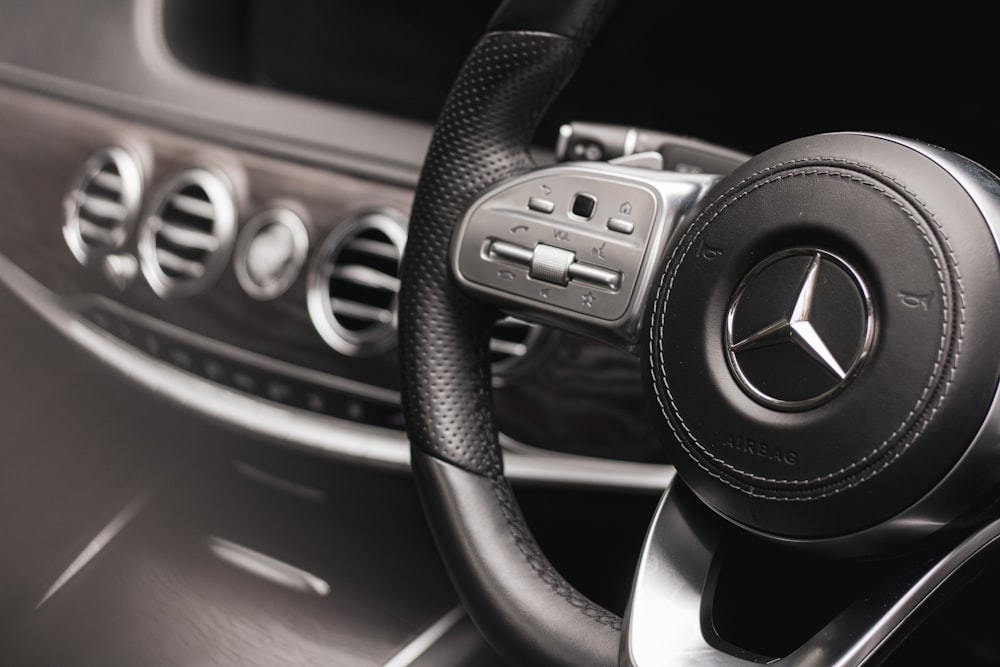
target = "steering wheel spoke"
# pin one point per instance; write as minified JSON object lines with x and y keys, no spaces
{"x":576,"y":245}
{"x":669,"y":623}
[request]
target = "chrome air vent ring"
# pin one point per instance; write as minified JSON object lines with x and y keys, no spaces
{"x":185,"y":243}
{"x":103,"y":203}
{"x":353,"y":283}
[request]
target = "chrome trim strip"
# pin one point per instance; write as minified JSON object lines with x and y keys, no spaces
{"x":96,"y":545}
{"x":292,"y":427}
{"x":268,"y":568}
{"x":419,"y":645}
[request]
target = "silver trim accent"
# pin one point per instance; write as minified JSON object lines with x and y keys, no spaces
{"x":511,"y":357}
{"x":663,"y":622}
{"x":380,"y":335}
{"x":267,"y":568}
{"x":280,"y":217}
{"x":796,"y":328}
{"x":220,"y":210}
{"x":631,"y":139}
{"x":291,"y":427}
{"x":96,"y":546}
{"x":419,"y":645}
{"x":121,"y":213}
{"x":562,"y":143}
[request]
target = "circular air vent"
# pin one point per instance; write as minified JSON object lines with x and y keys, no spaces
{"x":353,"y":282}
{"x":185,"y":244}
{"x":103,"y":204}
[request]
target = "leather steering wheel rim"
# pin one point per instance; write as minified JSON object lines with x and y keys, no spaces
{"x":522,"y":605}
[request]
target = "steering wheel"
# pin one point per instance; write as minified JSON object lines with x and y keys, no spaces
{"x":816,"y":338}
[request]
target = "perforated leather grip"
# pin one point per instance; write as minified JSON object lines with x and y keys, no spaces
{"x":522,"y":605}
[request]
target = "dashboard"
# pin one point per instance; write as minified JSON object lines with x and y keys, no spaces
{"x":204,"y":212}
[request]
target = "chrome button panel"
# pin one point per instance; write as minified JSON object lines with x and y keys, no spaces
{"x":586,"y":274}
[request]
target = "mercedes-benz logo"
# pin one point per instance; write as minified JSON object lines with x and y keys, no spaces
{"x":799,"y":327}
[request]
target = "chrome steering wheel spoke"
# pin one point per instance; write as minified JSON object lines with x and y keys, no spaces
{"x":668,"y":622}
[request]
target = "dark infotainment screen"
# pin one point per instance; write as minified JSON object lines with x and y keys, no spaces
{"x":327,"y":49}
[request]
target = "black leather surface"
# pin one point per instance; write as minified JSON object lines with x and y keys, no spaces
{"x":482,"y":137}
{"x":506,"y":583}
{"x":577,"y":19}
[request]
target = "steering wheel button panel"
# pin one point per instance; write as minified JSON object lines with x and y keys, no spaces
{"x":560,"y":268}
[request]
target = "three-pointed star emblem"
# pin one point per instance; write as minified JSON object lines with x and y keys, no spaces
{"x":827,"y":316}
{"x":796,"y":327}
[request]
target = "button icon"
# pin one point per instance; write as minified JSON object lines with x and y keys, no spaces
{"x":915,"y":300}
{"x":707,"y":252}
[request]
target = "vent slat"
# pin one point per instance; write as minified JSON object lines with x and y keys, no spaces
{"x":103,"y":208}
{"x":108,"y":180}
{"x":508,"y":348}
{"x":367,"y":276}
{"x":184,"y":236}
{"x":185,"y":267}
{"x":361,"y":311}
{"x":374,"y":248}
{"x":95,"y":233}
{"x":200,"y":208}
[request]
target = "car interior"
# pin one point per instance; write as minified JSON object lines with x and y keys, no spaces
{"x":559,"y":332}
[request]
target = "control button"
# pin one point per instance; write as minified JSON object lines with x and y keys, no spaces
{"x":595,"y":275}
{"x":244,"y":382}
{"x":541,"y":205}
{"x":511,"y":252}
{"x":180,"y":358}
{"x":620,"y":226}
{"x":551,"y":264}
{"x":583,"y":205}
{"x":214,"y":370}
{"x":278,"y":391}
{"x":316,"y":401}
